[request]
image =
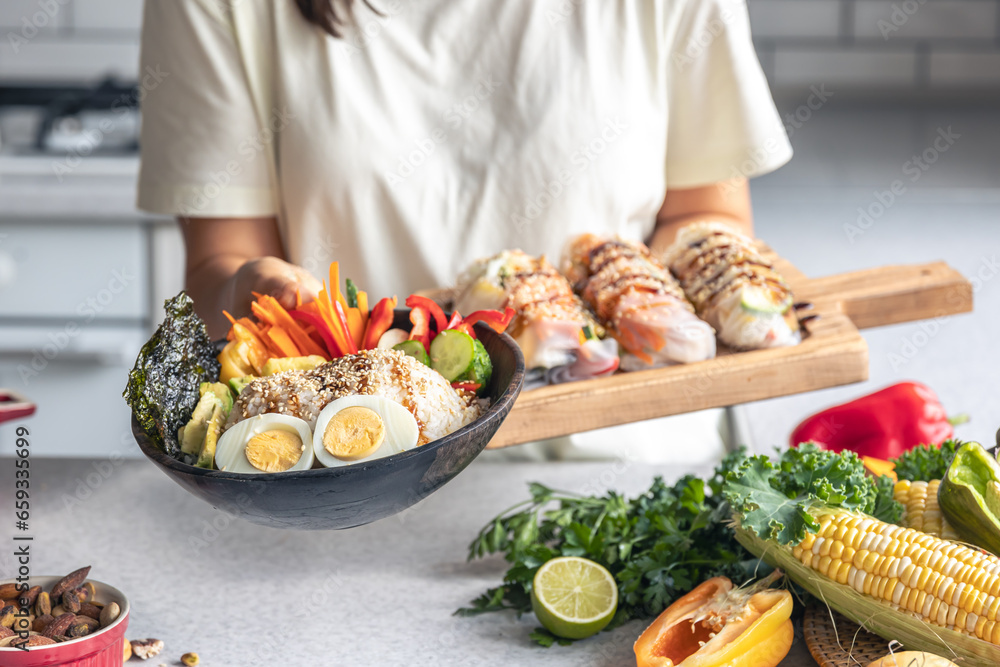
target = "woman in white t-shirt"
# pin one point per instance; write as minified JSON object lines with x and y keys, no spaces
{"x":434,"y":132}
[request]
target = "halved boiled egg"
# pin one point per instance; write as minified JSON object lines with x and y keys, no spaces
{"x":362,"y":428}
{"x":266,"y":443}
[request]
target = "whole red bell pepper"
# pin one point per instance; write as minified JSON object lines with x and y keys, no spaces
{"x":494,"y":318}
{"x":882,"y":425}
{"x":434,"y":310}
{"x":379,"y":322}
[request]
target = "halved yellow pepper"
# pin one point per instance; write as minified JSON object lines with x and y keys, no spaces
{"x":717,"y":626}
{"x":234,"y":363}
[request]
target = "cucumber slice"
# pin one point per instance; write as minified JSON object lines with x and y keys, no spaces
{"x":762,"y":301}
{"x":452,"y":353}
{"x":415,"y":349}
{"x":480,"y":370}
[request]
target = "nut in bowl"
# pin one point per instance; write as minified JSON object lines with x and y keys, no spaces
{"x":53,"y":634}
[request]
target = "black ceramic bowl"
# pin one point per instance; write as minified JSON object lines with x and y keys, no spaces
{"x":353,"y":495}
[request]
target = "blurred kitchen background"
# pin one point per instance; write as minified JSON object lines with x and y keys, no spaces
{"x":864,"y":87}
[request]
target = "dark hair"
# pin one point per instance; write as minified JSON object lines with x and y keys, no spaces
{"x":330,"y":15}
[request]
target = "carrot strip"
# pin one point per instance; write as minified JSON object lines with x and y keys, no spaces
{"x":281,"y":338}
{"x":298,"y":298}
{"x":261,"y":312}
{"x":339,"y":331}
{"x":282,"y":319}
{"x":356,"y":325}
{"x":335,"y":285}
{"x":342,"y":318}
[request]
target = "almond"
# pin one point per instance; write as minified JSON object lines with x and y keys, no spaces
{"x":88,"y":609}
{"x":59,"y":626}
{"x":29,"y":596}
{"x":9,"y":591}
{"x":38,"y":640}
{"x":70,"y":581}
{"x":6,"y":632}
{"x":41,"y":622}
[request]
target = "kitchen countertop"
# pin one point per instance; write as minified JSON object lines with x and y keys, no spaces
{"x":242,"y":595}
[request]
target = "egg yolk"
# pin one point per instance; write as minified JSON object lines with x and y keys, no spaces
{"x":274,"y":451}
{"x":354,"y":433}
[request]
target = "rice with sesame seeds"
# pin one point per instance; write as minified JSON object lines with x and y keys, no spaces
{"x":438,"y":408}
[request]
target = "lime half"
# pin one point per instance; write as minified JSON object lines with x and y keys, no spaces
{"x":574,"y":597}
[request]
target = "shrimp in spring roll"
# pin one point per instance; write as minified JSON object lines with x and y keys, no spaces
{"x":732,"y":287}
{"x":560,"y":340}
{"x":638,"y":301}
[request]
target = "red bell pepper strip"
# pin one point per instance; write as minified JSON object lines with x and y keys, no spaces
{"x":338,"y":312}
{"x":421,"y":330}
{"x":456,"y":319}
{"x":333,"y":350}
{"x":466,"y":328}
{"x":417,"y":301}
{"x":494,"y":318}
{"x":379,"y":321}
{"x":882,"y":425}
{"x":467,"y":386}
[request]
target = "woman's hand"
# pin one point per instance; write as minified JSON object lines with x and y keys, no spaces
{"x":725,"y":201}
{"x":228,"y":258}
{"x":268,"y":275}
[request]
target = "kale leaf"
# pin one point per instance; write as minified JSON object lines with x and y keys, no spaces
{"x":924,"y":463}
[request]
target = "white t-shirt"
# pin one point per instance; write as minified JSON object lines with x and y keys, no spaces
{"x":447,"y":130}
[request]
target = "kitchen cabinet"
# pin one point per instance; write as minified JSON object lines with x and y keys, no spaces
{"x":78,"y":298}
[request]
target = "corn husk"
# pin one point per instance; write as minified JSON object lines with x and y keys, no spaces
{"x":874,"y":615}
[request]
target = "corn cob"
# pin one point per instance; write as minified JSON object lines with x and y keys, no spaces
{"x":944,"y":583}
{"x":921,"y":510}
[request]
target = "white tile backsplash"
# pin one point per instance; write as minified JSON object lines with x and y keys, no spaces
{"x":107,"y":14}
{"x":794,"y":18}
{"x":67,"y":61}
{"x":934,"y":19}
{"x":844,"y":68}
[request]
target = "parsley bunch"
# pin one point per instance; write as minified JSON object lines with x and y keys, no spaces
{"x":658,"y":546}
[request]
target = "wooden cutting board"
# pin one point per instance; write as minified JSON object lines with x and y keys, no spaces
{"x":832,"y":353}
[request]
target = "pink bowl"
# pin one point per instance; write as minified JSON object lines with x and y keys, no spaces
{"x":103,"y":648}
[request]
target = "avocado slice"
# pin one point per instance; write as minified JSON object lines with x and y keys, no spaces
{"x":192,"y":434}
{"x":221,"y":391}
{"x":969,"y":496}
{"x":206,"y":457}
{"x":238,"y":384}
{"x":275,"y":365}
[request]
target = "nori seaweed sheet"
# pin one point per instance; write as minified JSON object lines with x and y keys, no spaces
{"x":163,"y":386}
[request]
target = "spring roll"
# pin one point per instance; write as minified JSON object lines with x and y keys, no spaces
{"x":733,"y":287}
{"x":560,"y":340}
{"x":638,"y":302}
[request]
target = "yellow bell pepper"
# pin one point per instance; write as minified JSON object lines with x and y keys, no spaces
{"x":234,"y":365}
{"x":718,"y":626}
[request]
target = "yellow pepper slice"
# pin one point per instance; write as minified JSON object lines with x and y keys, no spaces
{"x":717,"y":626}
